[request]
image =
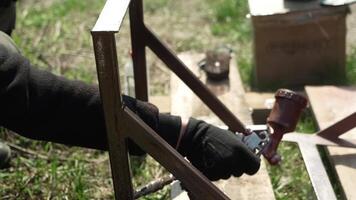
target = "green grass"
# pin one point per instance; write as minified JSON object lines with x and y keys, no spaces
{"x":351,"y":67}
{"x":231,"y":22}
{"x":56,"y":35}
{"x":154,"y":6}
{"x":30,"y":177}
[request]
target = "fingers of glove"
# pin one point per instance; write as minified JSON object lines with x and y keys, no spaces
{"x":215,"y":177}
{"x":237,"y":172}
{"x":206,"y":163}
{"x":246,"y":160}
{"x":227,"y":154}
{"x":215,"y":174}
{"x":238,"y":157}
{"x":253,"y":166}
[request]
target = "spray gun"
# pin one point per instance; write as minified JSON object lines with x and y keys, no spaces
{"x":264,"y":139}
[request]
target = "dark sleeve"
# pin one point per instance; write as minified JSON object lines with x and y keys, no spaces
{"x":42,"y":106}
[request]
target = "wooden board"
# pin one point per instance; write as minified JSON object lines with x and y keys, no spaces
{"x":329,"y":105}
{"x":260,"y":105}
{"x":185,"y":103}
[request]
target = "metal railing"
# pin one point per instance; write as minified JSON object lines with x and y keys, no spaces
{"x":122,"y":124}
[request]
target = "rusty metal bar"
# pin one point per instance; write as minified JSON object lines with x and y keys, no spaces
{"x":339,"y":128}
{"x":109,"y":84}
{"x":103,"y":34}
{"x":168,"y":157}
{"x":121,"y":123}
{"x":182,"y":71}
{"x":138,"y":49}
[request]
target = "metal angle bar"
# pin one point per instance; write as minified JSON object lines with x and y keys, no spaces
{"x":318,"y":140}
{"x":182,"y":71}
{"x":138,"y":49}
{"x":153,"y":144}
{"x":109,"y":85}
{"x":339,"y":128}
{"x":316,"y":171}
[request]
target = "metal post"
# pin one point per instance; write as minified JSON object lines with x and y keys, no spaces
{"x":109,"y":84}
{"x":138,"y":49}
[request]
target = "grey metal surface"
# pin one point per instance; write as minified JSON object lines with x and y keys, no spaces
{"x":317,"y":140}
{"x":316,"y":170}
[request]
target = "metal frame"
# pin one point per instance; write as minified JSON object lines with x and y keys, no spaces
{"x":307,"y":144}
{"x":122,"y":124}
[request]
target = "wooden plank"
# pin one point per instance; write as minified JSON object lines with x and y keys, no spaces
{"x":260,"y":105}
{"x":186,"y":104}
{"x":330,"y":104}
{"x":260,"y":100}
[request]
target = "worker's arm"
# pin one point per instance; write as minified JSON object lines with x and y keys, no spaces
{"x":43,"y":106}
{"x":7,"y":16}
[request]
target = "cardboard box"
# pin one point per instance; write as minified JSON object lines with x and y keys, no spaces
{"x":297,"y":43}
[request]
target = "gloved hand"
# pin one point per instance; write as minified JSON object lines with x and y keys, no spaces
{"x":217,"y":153}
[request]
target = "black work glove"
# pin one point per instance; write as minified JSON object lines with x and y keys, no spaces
{"x":217,"y":153}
